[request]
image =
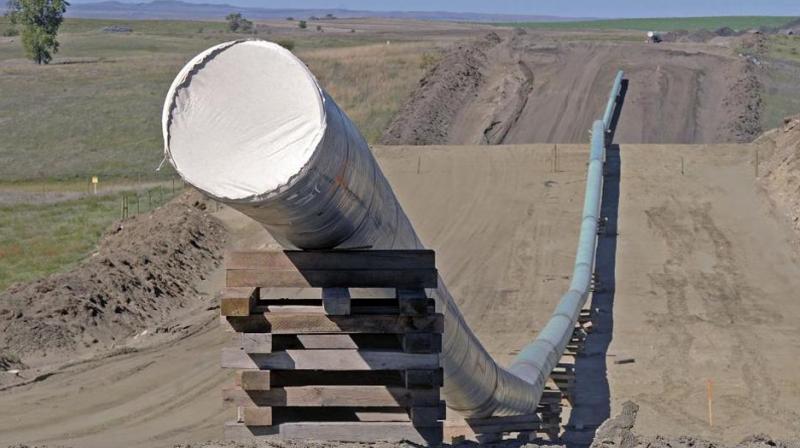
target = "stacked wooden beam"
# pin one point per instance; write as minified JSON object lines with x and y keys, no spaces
{"x":333,"y":368}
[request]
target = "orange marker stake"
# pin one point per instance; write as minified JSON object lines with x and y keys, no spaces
{"x":709,"y":393}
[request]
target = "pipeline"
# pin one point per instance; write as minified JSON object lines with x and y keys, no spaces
{"x":247,"y":123}
{"x":535,"y":362}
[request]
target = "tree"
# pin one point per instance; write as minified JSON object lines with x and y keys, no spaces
{"x":234,"y":21}
{"x":302,"y":24}
{"x":245,"y":26}
{"x":237,"y":23}
{"x":40,"y":20}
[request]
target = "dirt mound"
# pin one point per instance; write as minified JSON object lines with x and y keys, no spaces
{"x":744,"y":96}
{"x":780,"y":174}
{"x":684,"y":36}
{"x":143,"y":271}
{"x":427,"y":117}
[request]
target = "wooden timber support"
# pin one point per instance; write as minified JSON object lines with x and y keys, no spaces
{"x":545,"y":422}
{"x":314,"y":363}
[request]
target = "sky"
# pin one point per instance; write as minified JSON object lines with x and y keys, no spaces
{"x":564,"y":8}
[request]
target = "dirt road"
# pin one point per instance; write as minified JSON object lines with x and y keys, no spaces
{"x":533,"y":88}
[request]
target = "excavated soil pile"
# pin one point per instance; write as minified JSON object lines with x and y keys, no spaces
{"x":143,"y":271}
{"x":744,"y":97}
{"x":427,"y":118}
{"x":781,"y":172}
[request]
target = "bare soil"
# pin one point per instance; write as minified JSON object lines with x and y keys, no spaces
{"x":703,"y":269}
{"x":780,"y":174}
{"x":706,"y":277}
{"x":143,"y":273}
{"x":525,"y":88}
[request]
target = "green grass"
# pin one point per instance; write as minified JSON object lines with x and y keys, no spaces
{"x":664,"y":24}
{"x":36,"y":240}
{"x":780,"y":89}
{"x":96,"y":110}
{"x":784,"y":47}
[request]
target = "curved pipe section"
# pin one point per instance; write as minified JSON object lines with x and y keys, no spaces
{"x":535,"y":362}
{"x":247,"y":123}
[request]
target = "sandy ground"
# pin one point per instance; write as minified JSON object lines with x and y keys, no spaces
{"x":707,"y":283}
{"x":704,"y":291}
{"x":703,"y":265}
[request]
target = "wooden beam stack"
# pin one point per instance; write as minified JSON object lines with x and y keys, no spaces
{"x":333,"y":368}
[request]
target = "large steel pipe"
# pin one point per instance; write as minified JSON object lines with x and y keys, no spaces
{"x":248,"y":124}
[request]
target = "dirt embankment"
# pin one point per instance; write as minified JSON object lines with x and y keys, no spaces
{"x":528,"y":88}
{"x":428,"y":116}
{"x":780,"y":174}
{"x":143,"y":273}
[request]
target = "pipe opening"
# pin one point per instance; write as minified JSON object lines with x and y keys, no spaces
{"x":242,"y":119}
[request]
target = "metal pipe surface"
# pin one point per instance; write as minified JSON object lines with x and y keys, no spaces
{"x":540,"y":357}
{"x":247,"y":123}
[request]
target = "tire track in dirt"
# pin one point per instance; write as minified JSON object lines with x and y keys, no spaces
{"x":677,"y":93}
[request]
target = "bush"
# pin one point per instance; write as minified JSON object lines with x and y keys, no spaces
{"x":285,"y":43}
{"x":11,"y":32}
{"x":302,"y":24}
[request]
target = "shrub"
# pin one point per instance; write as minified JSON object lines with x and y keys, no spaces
{"x":302,"y":24}
{"x":285,"y":43}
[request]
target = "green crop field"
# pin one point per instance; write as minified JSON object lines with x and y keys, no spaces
{"x":664,"y":24}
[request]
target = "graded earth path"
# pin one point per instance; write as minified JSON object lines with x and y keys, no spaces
{"x":707,"y":290}
{"x":704,"y":281}
{"x":535,"y":88}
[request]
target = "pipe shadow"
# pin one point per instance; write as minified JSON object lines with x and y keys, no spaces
{"x":591,"y":397}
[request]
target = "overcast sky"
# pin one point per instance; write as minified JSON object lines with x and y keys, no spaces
{"x":568,"y":8}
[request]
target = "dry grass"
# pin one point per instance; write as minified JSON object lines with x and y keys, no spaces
{"x":97,"y":112}
{"x":371,"y":82}
{"x":97,"y":109}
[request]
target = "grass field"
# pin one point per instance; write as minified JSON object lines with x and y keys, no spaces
{"x":665,"y":24}
{"x":39,"y":239}
{"x":782,"y":74}
{"x":96,"y":109}
{"x":785,"y":47}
